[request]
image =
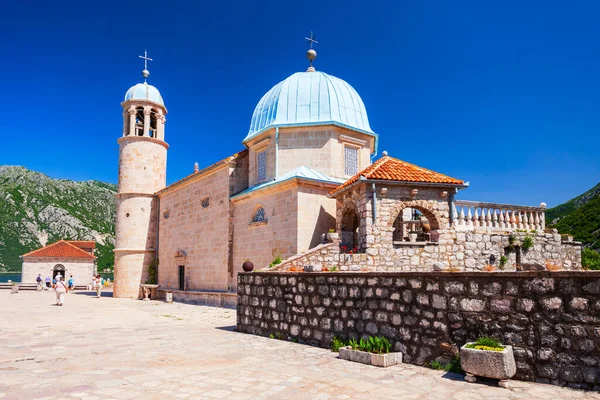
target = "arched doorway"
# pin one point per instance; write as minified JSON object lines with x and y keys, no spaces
{"x":350,"y":235}
{"x":58,"y":269}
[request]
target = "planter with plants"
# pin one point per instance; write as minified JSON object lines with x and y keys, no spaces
{"x":374,"y":350}
{"x":488,"y":358}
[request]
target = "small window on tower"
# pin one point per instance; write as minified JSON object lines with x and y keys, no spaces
{"x":261,"y":160}
{"x":350,"y":160}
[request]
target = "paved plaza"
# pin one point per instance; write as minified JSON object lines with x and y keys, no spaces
{"x":124,"y":349}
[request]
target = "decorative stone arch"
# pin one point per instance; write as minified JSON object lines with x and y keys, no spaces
{"x":400,"y":230}
{"x":434,"y":218}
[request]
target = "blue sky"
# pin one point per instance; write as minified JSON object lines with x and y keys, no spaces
{"x":503,"y":95}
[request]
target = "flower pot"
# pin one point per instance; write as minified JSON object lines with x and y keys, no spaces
{"x":378,"y":360}
{"x":331,"y":236}
{"x":412,"y":237}
{"x":247,"y":266}
{"x":490,"y":364}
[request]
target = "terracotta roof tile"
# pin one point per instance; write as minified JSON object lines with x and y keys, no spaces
{"x":391,"y":169}
{"x":62,"y":249}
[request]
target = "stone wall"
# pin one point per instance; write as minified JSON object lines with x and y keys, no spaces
{"x":551,"y":318}
{"x":465,"y":251}
{"x":321,"y":148}
{"x":276,"y":236}
{"x":194,"y":234}
{"x":82,"y":270}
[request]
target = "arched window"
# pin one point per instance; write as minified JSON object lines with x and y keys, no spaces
{"x":259,"y":214}
{"x":139,"y":121}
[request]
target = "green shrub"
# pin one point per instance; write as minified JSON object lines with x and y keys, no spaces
{"x":527,"y":243}
{"x":152,"y":273}
{"x":452,"y":366}
{"x":275,"y":262}
{"x":511,"y":239}
{"x":590,"y":259}
{"x":370,"y":344}
{"x":337,"y":343}
{"x":503,"y":261}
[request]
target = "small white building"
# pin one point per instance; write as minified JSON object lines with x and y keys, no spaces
{"x":65,"y":257}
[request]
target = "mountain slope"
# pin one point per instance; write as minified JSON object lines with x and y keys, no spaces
{"x":36,"y":210}
{"x":579,"y":217}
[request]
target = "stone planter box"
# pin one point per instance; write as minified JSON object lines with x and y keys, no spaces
{"x":490,"y":364}
{"x":378,"y":360}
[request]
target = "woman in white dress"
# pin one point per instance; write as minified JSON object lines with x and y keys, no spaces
{"x":60,"y":288}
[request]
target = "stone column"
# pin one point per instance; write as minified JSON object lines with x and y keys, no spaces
{"x":131,"y":113}
{"x":160,"y":127}
{"x":147,"y":121}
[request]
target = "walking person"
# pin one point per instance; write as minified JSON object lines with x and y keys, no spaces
{"x":61,"y":290}
{"x":98,"y":284}
{"x":71,"y":283}
{"x":39,"y":282}
{"x":48,"y":282}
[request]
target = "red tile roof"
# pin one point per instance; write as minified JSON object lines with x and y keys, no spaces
{"x":61,"y":249}
{"x":391,"y":169}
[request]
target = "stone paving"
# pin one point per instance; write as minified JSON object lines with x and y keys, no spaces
{"x":124,"y":349}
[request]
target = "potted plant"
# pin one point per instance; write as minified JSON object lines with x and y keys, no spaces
{"x":488,"y":358}
{"x":332,"y":235}
{"x":373,"y":350}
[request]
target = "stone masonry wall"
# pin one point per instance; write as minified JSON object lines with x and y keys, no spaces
{"x":467,"y":251}
{"x":551,"y":318}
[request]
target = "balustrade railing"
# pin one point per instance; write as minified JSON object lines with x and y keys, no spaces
{"x":468,"y":215}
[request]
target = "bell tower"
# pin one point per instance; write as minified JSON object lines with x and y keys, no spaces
{"x":142,"y":172}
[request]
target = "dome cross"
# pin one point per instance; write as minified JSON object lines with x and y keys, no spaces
{"x":311,"y":54}
{"x":145,"y":57}
{"x":312,"y":39}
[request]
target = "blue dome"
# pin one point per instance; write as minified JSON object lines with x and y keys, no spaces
{"x":143,"y":91}
{"x":310,"y":98}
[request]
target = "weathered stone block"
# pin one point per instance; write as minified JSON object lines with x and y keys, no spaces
{"x":552,"y":303}
{"x":474,"y":305}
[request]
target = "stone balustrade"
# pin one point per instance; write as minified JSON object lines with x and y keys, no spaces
{"x":469,"y":215}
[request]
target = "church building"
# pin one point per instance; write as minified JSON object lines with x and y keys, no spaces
{"x":66,"y":257}
{"x":308,"y":134}
{"x":305,"y":170}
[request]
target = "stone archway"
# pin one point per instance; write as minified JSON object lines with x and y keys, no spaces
{"x":422,"y":221}
{"x":58,"y":269}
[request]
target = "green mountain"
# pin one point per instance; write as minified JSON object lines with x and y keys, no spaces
{"x":579,"y":217}
{"x":36,"y":210}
